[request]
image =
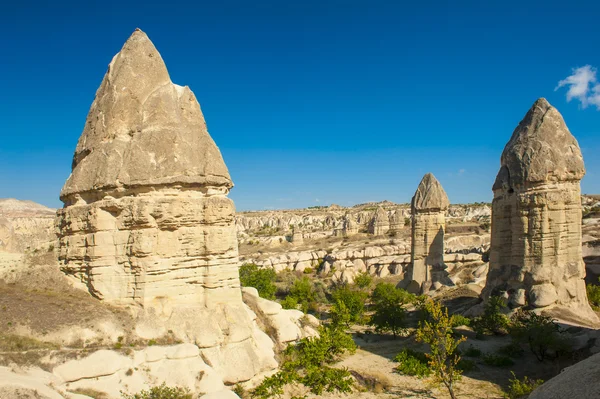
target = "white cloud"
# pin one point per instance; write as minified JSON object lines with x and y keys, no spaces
{"x":583,"y":85}
{"x":461,"y":172}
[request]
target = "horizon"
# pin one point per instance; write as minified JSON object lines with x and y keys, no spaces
{"x":311,"y":104}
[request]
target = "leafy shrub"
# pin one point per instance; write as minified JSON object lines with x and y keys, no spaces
{"x":544,"y":337}
{"x":363,"y":280}
{"x":388,"y":304}
{"x":465,"y":365}
{"x":437,"y":332}
{"x":289,"y":302}
{"x":460,"y":320}
{"x":519,"y":388}
{"x":496,"y":360}
{"x":308,"y":270}
{"x":161,"y":392}
{"x":412,"y":363}
{"x":593,"y":294}
{"x":493,"y":321}
{"x":352,"y":300}
{"x":261,"y":279}
{"x":307,"y":363}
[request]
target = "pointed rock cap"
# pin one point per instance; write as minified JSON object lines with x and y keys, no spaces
{"x":380,"y":215}
{"x":430,"y":195}
{"x":143,"y":130}
{"x":541,"y":149}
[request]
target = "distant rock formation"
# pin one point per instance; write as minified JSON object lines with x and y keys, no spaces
{"x":147,"y":220}
{"x":536,"y":255}
{"x":428,"y":225}
{"x":396,"y":222}
{"x":380,"y":224}
{"x":350,"y":227}
{"x":25,"y":225}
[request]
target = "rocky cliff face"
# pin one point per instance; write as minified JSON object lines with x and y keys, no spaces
{"x":536,"y":255}
{"x":24,"y":225}
{"x":147,"y":221}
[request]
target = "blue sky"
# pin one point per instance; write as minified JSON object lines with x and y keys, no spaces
{"x":310,"y":102}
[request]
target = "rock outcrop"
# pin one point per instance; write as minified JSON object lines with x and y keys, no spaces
{"x":536,"y":253}
{"x":25,"y":225}
{"x":428,"y":206}
{"x":349,"y":227}
{"x":147,"y":221}
{"x":380,"y":224}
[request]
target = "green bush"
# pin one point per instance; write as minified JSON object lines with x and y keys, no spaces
{"x":308,"y":270}
{"x":460,"y":320}
{"x":388,"y":302}
{"x":544,"y":337}
{"x":352,"y":300}
{"x":593,"y":294}
{"x":307,"y":363}
{"x":363,"y":280}
{"x":160,"y":392}
{"x":289,"y":302}
{"x":465,"y":365}
{"x":412,"y":363}
{"x":520,"y":388}
{"x":261,"y":279}
{"x":492,"y":359}
{"x":302,"y":290}
{"x":513,"y":350}
{"x":493,"y":321}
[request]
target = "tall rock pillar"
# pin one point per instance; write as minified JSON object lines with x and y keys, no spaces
{"x":146,"y":218}
{"x":536,"y":256}
{"x":380,"y":224}
{"x":428,"y":207}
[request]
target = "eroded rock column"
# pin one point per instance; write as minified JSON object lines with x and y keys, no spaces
{"x":428,"y":208}
{"x":380,"y":224}
{"x":536,"y":256}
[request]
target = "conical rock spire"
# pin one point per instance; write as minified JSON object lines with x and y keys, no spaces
{"x":430,"y":195}
{"x":143,"y":130}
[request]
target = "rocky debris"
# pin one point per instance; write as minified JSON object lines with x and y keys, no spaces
{"x":380,"y":223}
{"x":147,"y":220}
{"x":427,"y":245}
{"x":25,"y":225}
{"x":579,"y":381}
{"x":536,"y":252}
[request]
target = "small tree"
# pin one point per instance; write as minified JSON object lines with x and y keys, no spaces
{"x":493,"y":321}
{"x":353,"y":302}
{"x":363,"y":280}
{"x":302,"y":290}
{"x":261,"y":279}
{"x":443,"y":357}
{"x":544,"y":337}
{"x":388,"y":304}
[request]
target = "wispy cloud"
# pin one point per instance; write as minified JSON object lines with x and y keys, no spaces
{"x":583,"y":86}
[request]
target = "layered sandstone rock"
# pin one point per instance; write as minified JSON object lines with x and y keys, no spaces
{"x":380,"y":224}
{"x":147,"y":220}
{"x":349,"y":227}
{"x":428,"y":224}
{"x":536,"y":255}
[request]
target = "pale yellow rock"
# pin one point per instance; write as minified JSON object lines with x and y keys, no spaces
{"x":536,"y":252}
{"x":428,"y":226}
{"x":380,"y":224}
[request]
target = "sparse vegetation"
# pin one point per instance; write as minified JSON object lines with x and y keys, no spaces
{"x":20,"y":343}
{"x":521,"y":388}
{"x":307,"y":363}
{"x":160,"y":392}
{"x":544,"y":337}
{"x":363,"y":280}
{"x":497,"y":360}
{"x":437,"y":332}
{"x":261,"y":279}
{"x":593,"y":294}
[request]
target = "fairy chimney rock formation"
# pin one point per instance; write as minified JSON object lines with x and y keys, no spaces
{"x":428,"y":207}
{"x":349,"y":227}
{"x":380,"y":224}
{"x":536,"y":255}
